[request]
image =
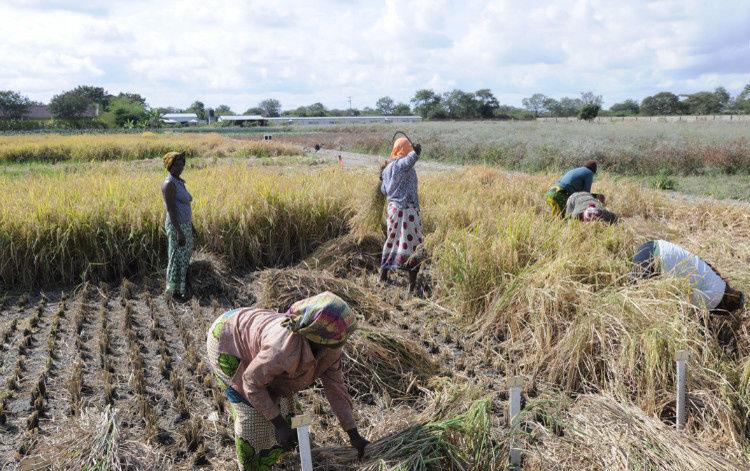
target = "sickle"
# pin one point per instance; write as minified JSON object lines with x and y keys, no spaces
{"x":393,"y":139}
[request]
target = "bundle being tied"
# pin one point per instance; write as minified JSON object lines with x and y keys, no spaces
{"x":369,"y":217}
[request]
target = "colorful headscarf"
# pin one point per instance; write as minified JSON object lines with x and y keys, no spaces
{"x":170,"y":157}
{"x":401,"y":148}
{"x":592,"y":213}
{"x":325,"y":319}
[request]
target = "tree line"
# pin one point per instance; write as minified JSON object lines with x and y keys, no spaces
{"x":69,"y":108}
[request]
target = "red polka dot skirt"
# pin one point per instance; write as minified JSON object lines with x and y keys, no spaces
{"x":403,"y":237}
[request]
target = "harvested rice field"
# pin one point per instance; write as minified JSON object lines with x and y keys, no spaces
{"x":99,"y":371}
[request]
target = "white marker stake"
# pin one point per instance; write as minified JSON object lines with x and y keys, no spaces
{"x":302,"y":424}
{"x":681,"y":356}
{"x":515,"y":384}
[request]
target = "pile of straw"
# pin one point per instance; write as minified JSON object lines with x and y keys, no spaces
{"x":601,"y":432}
{"x":349,"y":255}
{"x":208,"y":276}
{"x":379,"y":363}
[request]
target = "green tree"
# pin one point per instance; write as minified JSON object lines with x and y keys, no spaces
{"x":536,"y":103}
{"x":270,"y":108}
{"x":127,"y":110}
{"x":460,"y":105}
{"x":198,"y":108}
{"x":488,"y":104}
{"x":428,"y":104}
{"x":661,"y":104}
{"x":402,"y":109}
{"x":385,"y":105}
{"x":255,"y":111}
{"x":70,"y":106}
{"x":223,"y":110}
{"x":742,"y":100}
{"x":316,"y":110}
{"x":589,"y":111}
{"x":702,"y":103}
{"x":133,"y":98}
{"x":626,"y":108}
{"x":588,"y":98}
{"x":566,"y":107}
{"x":13,"y":105}
{"x":96,"y":95}
{"x":722,"y":96}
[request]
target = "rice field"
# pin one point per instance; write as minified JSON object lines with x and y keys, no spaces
{"x":88,"y":344}
{"x":29,"y":148}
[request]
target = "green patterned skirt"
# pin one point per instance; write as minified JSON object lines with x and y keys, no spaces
{"x":557,"y":199}
{"x":179,"y":257}
{"x":254,"y":435}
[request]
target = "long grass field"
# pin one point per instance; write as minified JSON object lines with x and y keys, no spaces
{"x":89,"y":345}
{"x":632,"y":148}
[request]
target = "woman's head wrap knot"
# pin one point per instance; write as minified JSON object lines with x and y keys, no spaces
{"x":170,"y":157}
{"x":325,"y":319}
{"x":401,"y":148}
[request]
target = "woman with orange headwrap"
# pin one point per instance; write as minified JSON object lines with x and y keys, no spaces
{"x":404,"y":235}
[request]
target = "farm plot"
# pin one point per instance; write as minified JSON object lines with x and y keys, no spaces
{"x":513,"y":292}
{"x":633,"y":149}
{"x":95,"y":147}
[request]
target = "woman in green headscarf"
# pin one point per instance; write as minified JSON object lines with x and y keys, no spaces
{"x":178,"y":224}
{"x":263,"y":358}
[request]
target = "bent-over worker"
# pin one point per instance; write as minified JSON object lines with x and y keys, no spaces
{"x":659,"y":257}
{"x":578,"y":179}
{"x":262,"y":358}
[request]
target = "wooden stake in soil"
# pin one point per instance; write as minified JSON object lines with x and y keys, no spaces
{"x":302,"y":424}
{"x":515,"y":384}
{"x":681,"y":356}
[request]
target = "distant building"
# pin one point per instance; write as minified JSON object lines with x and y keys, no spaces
{"x":323,"y":120}
{"x":181,"y":118}
{"x":41,"y":113}
{"x":241,"y":120}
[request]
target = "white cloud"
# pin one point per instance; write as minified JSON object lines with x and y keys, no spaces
{"x":239,"y":52}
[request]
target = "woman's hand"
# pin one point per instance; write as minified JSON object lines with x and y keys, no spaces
{"x":418,"y":148}
{"x":357,"y":440}
{"x":284,"y":433}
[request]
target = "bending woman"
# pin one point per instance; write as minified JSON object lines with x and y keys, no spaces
{"x":178,"y":224}
{"x":578,"y":179}
{"x":262,"y":358}
{"x":404,"y":233}
{"x":587,"y":207}
{"x":659,"y":257}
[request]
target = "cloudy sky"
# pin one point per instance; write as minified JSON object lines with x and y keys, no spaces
{"x":238,"y":52}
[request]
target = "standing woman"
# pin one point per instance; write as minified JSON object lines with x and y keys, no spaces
{"x":578,"y":179}
{"x":404,"y":233}
{"x":179,"y":223}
